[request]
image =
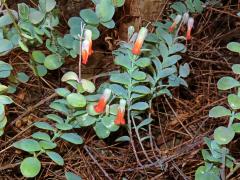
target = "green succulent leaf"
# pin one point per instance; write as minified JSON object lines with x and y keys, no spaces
{"x":30,"y":167}
{"x":44,"y":125}
{"x":41,"y":70}
{"x":140,"y":106}
{"x":105,"y":10}
{"x":72,"y":176}
{"x":38,"y":56}
{"x":88,"y":86}
{"x":89,"y":16}
{"x":236,"y":68}
{"x":236,"y":127}
{"x":141,"y":89}
{"x":5,"y":69}
{"x":143,"y":62}
{"x":234,"y":101}
{"x":41,"y":136}
{"x":62,"y":92}
{"x":219,"y":111}
{"x":139,"y":75}
{"x":234,"y":47}
{"x":70,"y":76}
{"x":47,"y":144}
{"x":101,"y":131}
{"x":124,"y":61}
{"x":121,"y":78}
{"x":227,"y":82}
{"x":119,"y":90}
{"x":55,"y":118}
{"x":5,"y":99}
{"x":108,"y":122}
{"x":55,"y":157}
{"x":123,"y":139}
{"x":53,"y":62}
{"x":76,"y":100}
{"x":72,"y":138}
{"x":184,"y":70}
{"x":223,"y":135}
{"x":28,"y":145}
{"x":22,"y":77}
{"x":109,"y":24}
{"x":47,"y":5}
{"x":203,"y":173}
{"x":35,"y":16}
{"x":5,"y":45}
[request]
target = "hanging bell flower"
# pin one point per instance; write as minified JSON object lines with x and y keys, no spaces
{"x":175,"y":23}
{"x":139,"y":42}
{"x":120,"y":113}
{"x":86,"y":46}
{"x":189,"y":28}
{"x":101,"y":105}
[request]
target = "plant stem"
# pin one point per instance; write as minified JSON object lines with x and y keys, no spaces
{"x":80,"y":53}
{"x":129,"y":112}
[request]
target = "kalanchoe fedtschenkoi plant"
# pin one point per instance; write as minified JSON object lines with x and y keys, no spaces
{"x":175,"y":23}
{"x":218,"y":162}
{"x":139,"y":41}
{"x":148,"y":68}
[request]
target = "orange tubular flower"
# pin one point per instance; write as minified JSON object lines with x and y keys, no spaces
{"x":101,"y":105}
{"x":87,"y":46}
{"x":88,"y":36}
{"x":139,"y":42}
{"x":189,"y":29}
{"x":85,"y":51}
{"x":175,"y":23}
{"x":120,"y":113}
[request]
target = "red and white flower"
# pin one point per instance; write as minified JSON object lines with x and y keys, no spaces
{"x":101,"y":105}
{"x":139,"y":42}
{"x":189,"y":28}
{"x":120,"y":113}
{"x":175,"y":23}
{"x":86,"y":46}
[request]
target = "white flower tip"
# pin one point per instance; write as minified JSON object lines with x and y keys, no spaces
{"x":185,"y":17}
{"x":123,"y":102}
{"x":107,"y":93}
{"x":143,"y":33}
{"x":178,"y":18}
{"x":85,"y":44}
{"x":190,"y":22}
{"x":88,"y":34}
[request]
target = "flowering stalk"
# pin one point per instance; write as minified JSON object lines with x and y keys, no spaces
{"x":139,"y":42}
{"x":175,"y":23}
{"x":189,"y":29}
{"x":101,"y":105}
{"x":120,"y":113}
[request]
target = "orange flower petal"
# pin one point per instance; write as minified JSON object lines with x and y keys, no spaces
{"x":84,"y":56}
{"x":137,"y":47}
{"x":188,"y":36}
{"x":100,"y":107}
